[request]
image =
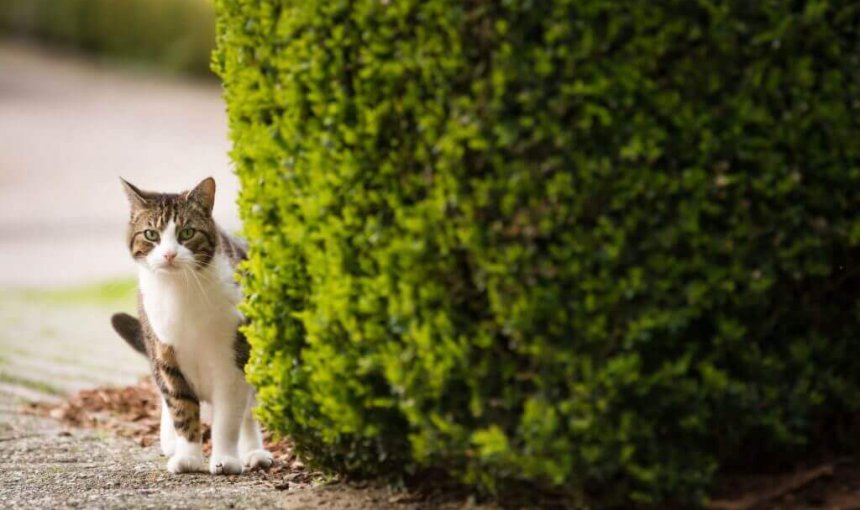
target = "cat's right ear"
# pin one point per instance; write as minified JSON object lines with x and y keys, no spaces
{"x":136,"y":197}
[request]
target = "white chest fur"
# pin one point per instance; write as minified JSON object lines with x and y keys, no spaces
{"x":196,"y":314}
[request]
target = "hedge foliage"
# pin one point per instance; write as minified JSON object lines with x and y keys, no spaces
{"x":177,"y":35}
{"x":596,"y":248}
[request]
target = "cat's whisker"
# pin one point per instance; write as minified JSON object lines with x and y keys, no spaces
{"x":196,"y":277}
{"x":185,"y":276}
{"x":205,"y":277}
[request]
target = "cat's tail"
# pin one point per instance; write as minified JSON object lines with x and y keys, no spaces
{"x":130,"y":330}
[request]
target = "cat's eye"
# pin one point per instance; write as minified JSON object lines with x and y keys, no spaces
{"x":186,"y":234}
{"x":150,"y":235}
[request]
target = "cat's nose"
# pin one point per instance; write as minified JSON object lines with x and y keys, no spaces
{"x":169,"y":256}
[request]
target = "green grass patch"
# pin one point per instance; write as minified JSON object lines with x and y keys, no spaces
{"x":78,"y":361}
{"x":112,"y":292}
{"x":30,"y":384}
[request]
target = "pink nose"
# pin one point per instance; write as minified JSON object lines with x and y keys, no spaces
{"x":169,"y":256}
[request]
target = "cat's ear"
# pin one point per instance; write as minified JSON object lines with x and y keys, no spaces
{"x":136,"y":197}
{"x":204,"y":194}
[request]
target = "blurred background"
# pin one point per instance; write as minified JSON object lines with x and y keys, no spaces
{"x":91,"y":90}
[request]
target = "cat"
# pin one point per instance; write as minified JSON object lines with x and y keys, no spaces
{"x":189,"y":328}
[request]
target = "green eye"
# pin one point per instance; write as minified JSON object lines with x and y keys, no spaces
{"x":150,"y":235}
{"x":186,"y":234}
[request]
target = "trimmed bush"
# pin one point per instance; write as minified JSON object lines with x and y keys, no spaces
{"x":178,"y":35}
{"x":593,"y":248}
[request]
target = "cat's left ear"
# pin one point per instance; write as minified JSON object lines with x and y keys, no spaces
{"x":136,"y":197}
{"x":204,"y":194}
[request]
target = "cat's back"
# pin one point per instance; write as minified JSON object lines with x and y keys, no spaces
{"x":235,"y":249}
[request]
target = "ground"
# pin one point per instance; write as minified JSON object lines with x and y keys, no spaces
{"x":46,"y":465}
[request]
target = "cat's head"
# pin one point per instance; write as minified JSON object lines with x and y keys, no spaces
{"x":172,"y":232}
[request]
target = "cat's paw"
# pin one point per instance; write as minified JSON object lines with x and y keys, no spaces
{"x":168,"y":449}
{"x":186,"y":464}
{"x":168,"y":446}
{"x":225,"y":465}
{"x":257,"y":459}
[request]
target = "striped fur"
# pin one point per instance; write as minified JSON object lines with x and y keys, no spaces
{"x":131,"y":331}
{"x":153,"y":211}
{"x":187,"y":298}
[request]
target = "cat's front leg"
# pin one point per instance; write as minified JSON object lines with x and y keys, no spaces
{"x":184,"y":409}
{"x":188,"y":448}
{"x":167,"y":433}
{"x":254,"y":455}
{"x":228,"y":409}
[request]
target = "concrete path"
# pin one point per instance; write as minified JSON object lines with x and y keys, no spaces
{"x":43,"y":465}
{"x":68,"y":130}
{"x":56,"y":342}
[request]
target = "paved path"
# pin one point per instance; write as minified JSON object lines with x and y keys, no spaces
{"x":43,"y":465}
{"x":54,"y":343}
{"x":68,"y":130}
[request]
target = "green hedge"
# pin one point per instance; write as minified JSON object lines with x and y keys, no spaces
{"x":178,"y":35}
{"x":590,"y":248}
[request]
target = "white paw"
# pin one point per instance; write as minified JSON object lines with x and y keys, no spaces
{"x":186,"y":464}
{"x":257,"y":459}
{"x":168,"y":447}
{"x":225,"y":465}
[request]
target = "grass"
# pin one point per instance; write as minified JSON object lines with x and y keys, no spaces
{"x":38,"y":353}
{"x":113,"y":292}
{"x":30,"y":384}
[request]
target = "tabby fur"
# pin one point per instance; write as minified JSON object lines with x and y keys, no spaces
{"x":188,"y":327}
